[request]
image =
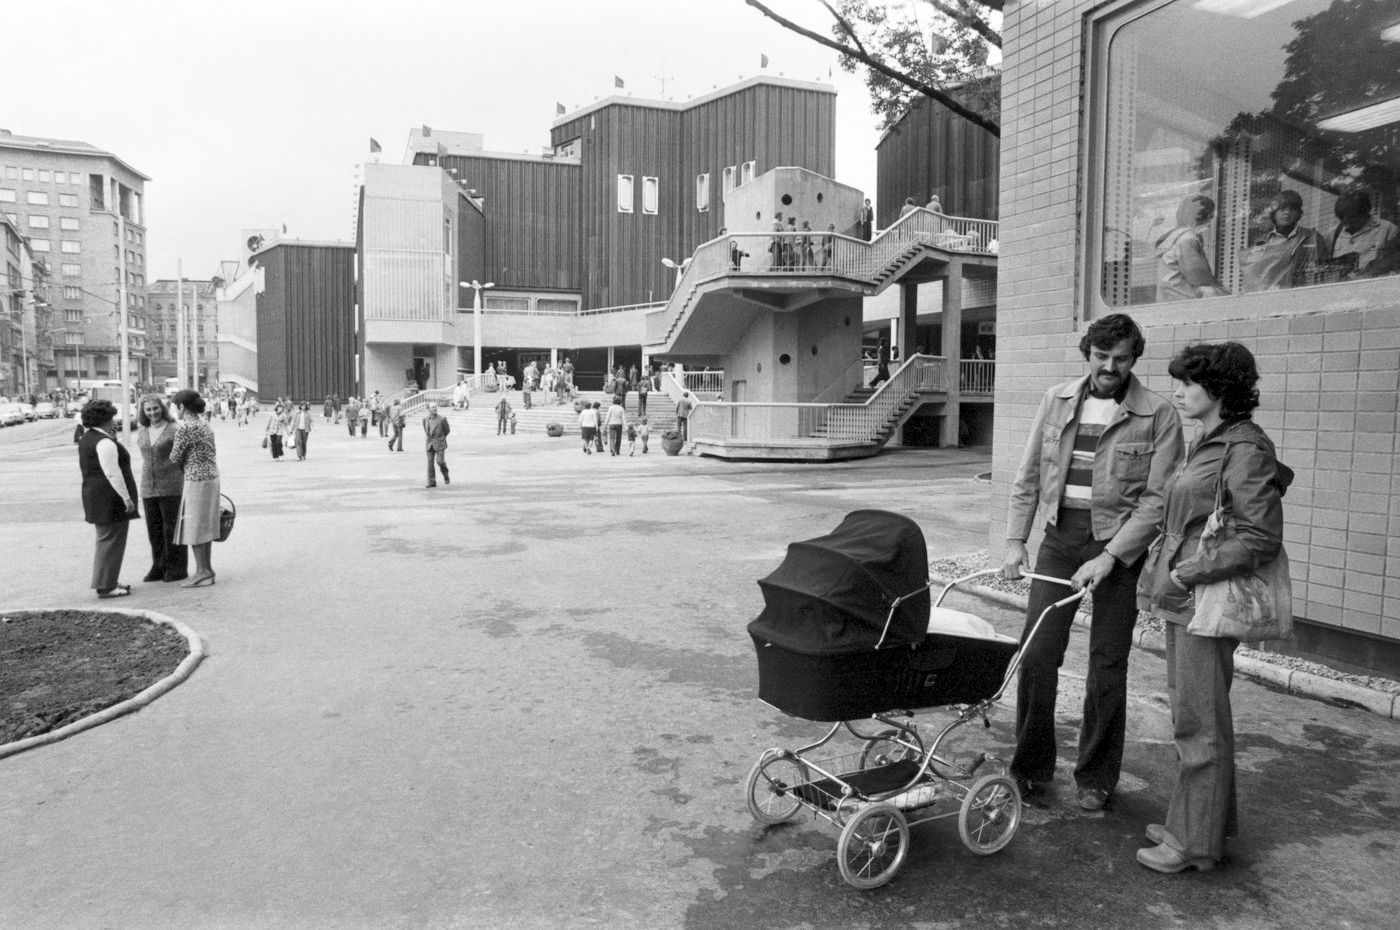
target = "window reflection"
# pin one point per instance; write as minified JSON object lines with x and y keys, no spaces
{"x":1251,"y":145}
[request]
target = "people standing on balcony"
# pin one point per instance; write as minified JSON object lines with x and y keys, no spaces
{"x":1185,"y":273}
{"x":1093,"y":475}
{"x":828,"y":248}
{"x":807,"y":247}
{"x":882,"y":362}
{"x":775,"y":247}
{"x":792,"y":255}
{"x":736,"y":255}
{"x":617,"y":422}
{"x":866,"y":221}
{"x":435,"y":430}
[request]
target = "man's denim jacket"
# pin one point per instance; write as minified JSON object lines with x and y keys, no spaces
{"x":1141,"y":446}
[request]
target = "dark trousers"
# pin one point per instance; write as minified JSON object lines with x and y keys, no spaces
{"x":615,"y":438}
{"x":352,"y":422}
{"x":107,"y":557}
{"x":383,"y":425}
{"x":641,"y":405}
{"x":440,"y":457}
{"x":883,"y":374}
{"x":301,"y":443}
{"x":397,"y":437}
{"x":681,"y":427}
{"x":1067,"y":546}
{"x":168,"y":560}
{"x":275,"y":440}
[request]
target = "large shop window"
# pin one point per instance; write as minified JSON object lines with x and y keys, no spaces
{"x":1246,"y":145}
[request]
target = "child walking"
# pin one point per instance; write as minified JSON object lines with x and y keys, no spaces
{"x":643,"y":431}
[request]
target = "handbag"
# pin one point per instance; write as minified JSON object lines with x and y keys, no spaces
{"x":264,"y":441}
{"x":1250,"y":607}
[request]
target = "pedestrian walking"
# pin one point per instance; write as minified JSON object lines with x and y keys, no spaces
{"x":365,"y":413}
{"x":1231,"y":468}
{"x":197,"y":523}
{"x":436,"y":428}
{"x":302,"y":421}
{"x":109,"y":495}
{"x":162,"y":483}
{"x":617,"y":422}
{"x":684,"y":406}
{"x":396,"y":421}
{"x":329,"y":409}
{"x":588,"y":427}
{"x":643,"y":389}
{"x":352,"y":415}
{"x":882,"y":363}
{"x":643,"y":432}
{"x":274,"y":431}
{"x":503,"y":416}
{"x":1093,"y":473}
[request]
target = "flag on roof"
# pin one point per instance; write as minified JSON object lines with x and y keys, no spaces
{"x":374,"y":146}
{"x":427,"y":130}
{"x":559,"y":109}
{"x":762,"y":60}
{"x":617,"y":81}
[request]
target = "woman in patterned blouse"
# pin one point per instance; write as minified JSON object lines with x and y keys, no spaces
{"x":197,"y":524}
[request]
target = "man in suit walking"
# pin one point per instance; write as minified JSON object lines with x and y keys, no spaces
{"x":436,"y":427}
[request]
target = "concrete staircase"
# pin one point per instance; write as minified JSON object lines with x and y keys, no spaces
{"x":860,"y":395}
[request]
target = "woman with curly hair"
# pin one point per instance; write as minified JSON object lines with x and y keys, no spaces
{"x":1216,"y":386}
{"x":197,"y":523}
{"x":109,"y":494}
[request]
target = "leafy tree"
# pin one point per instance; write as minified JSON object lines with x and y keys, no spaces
{"x":901,"y":63}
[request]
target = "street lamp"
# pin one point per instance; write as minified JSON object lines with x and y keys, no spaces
{"x":679,"y":268}
{"x":478,"y":287}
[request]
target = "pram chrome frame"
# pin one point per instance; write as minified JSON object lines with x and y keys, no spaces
{"x":849,"y":792}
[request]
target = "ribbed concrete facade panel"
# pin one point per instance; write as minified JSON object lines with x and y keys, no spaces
{"x":306,"y":321}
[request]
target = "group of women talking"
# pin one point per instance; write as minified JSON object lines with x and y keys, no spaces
{"x":179,"y":486}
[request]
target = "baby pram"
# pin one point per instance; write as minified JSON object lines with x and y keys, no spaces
{"x":848,"y":634}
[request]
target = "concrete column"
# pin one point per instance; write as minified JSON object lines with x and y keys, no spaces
{"x":906,"y":327}
{"x":952,"y":350}
{"x":612,"y":365}
{"x":553,"y":358}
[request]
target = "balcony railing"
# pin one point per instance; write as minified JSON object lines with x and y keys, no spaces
{"x":977,"y":376}
{"x":820,"y":423}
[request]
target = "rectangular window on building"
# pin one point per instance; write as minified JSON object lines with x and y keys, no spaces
{"x":624,"y":193}
{"x":72,"y":271}
{"x":27,"y":174}
{"x":651,"y":195}
{"x":746,"y":172}
{"x":37,"y":198}
{"x":72,"y":292}
{"x":69,"y":223}
{"x":45,"y":176}
{"x":40,"y":245}
{"x":12,"y":172}
{"x":71,"y":246}
{"x":96,"y":195}
{"x":702,"y":193}
{"x":38,"y":221}
{"x":1246,"y":160}
{"x":74,"y":339}
{"x":67,"y":200}
{"x":730,"y":176}
{"x":7,"y":195}
{"x":60,"y":177}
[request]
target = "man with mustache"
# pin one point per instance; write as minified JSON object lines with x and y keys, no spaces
{"x":1099,"y":454}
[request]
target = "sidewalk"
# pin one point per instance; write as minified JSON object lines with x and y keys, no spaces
{"x":527,"y":699}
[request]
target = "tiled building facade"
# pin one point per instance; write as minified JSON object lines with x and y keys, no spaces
{"x":1329,"y":355}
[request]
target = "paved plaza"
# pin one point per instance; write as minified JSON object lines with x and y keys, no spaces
{"x":527,"y":699}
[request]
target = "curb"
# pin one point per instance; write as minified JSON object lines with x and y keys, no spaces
{"x":133,"y":703}
{"x":1307,"y":684}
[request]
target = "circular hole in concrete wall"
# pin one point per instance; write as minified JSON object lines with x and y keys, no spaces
{"x":760,"y":366}
{"x":819,"y":196}
{"x":784,"y":359}
{"x":786,"y":199}
{"x":814,"y":350}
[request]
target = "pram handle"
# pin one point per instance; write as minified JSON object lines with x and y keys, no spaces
{"x":894,"y":605}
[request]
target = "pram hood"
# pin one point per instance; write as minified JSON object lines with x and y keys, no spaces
{"x":832,"y":594}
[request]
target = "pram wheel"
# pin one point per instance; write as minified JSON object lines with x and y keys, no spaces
{"x":873,"y":846}
{"x":990,"y":814}
{"x":770,"y":787}
{"x":886,"y":747}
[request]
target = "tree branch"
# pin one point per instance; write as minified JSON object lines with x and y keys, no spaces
{"x":870,"y":61}
{"x":975,"y":23}
{"x":845,"y":26}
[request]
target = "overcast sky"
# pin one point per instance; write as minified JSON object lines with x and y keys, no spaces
{"x":254,"y":114}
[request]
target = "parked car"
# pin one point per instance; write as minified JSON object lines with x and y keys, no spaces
{"x":11,"y":414}
{"x":46,"y":410}
{"x":30,"y":414}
